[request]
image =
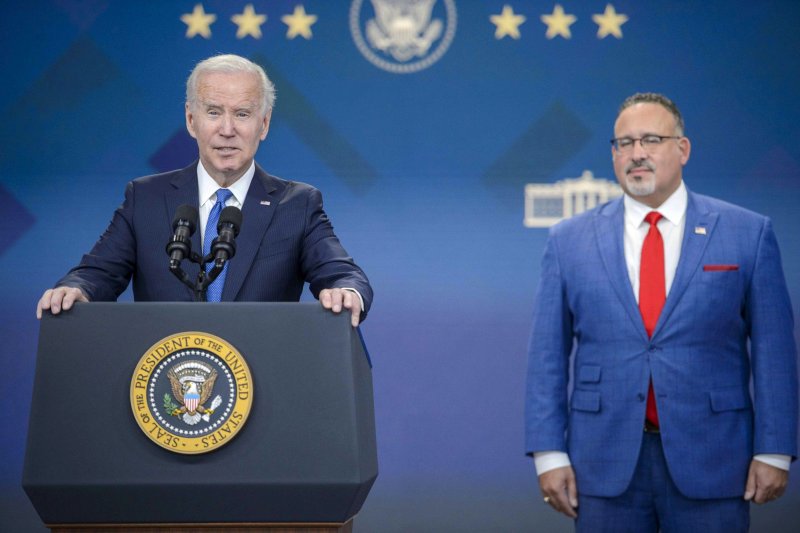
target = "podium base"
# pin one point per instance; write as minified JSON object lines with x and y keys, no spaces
{"x":276,"y":527}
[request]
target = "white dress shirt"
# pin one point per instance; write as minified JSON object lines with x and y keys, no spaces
{"x":208,"y":188}
{"x":671,"y":226}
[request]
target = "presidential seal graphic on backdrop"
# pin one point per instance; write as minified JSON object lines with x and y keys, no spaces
{"x":403,"y":36}
{"x":191,"y":392}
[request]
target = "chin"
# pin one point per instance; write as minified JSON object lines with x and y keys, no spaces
{"x":226,"y":167}
{"x":640,"y":188}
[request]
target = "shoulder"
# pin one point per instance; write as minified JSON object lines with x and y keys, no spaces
{"x":583,"y":223}
{"x":165,"y":179}
{"x":287,"y":189}
{"x":728,"y":213}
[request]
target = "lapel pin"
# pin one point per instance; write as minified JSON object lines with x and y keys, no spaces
{"x":699,"y":230}
{"x":265,"y":202}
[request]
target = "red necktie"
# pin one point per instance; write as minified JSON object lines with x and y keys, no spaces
{"x":652,"y":292}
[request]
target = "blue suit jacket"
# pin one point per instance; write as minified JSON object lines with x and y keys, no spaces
{"x":717,"y":330}
{"x":285,"y":240}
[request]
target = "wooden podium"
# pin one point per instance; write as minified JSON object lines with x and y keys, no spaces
{"x":347,"y":527}
{"x":303,"y":461}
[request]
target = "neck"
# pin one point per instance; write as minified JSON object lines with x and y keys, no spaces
{"x":226,"y":181}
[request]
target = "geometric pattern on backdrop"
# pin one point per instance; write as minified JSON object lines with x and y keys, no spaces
{"x":330,"y":146}
{"x":548,"y":143}
{"x":16,"y":220}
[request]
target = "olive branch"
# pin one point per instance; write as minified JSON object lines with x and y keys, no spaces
{"x":169,"y":405}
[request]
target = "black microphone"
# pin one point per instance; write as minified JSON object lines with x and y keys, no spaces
{"x":224,"y":245}
{"x":183,"y":226}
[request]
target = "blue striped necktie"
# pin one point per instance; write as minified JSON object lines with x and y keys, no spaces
{"x":214,"y":293}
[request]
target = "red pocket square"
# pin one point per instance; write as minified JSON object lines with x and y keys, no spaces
{"x":718,"y":268}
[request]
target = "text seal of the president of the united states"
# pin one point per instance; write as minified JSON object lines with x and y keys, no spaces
{"x":191,"y":392}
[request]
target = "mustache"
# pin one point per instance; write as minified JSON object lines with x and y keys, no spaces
{"x":639,"y":164}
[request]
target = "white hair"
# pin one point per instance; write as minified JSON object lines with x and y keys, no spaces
{"x":230,"y":64}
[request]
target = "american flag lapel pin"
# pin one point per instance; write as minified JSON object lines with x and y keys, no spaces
{"x":265,"y":202}
{"x":699,"y":230}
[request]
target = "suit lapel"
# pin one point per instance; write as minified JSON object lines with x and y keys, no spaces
{"x":699,"y":228}
{"x":257,"y":211}
{"x":184,"y":191}
{"x":609,"y":230}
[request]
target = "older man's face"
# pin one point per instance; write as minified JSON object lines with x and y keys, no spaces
{"x":651,"y":174}
{"x":228,"y":123}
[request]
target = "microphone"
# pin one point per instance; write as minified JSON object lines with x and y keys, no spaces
{"x":224,"y":245}
{"x":183,"y":226}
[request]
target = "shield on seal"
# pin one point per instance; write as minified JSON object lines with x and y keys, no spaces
{"x":191,"y":399}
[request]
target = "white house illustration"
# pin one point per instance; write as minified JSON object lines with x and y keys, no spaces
{"x":548,"y":203}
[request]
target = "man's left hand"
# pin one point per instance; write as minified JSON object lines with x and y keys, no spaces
{"x":338,"y":299}
{"x":765,"y":482}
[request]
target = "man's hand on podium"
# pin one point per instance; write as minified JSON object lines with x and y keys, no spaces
{"x":62,"y":298}
{"x":59,"y":299}
{"x":338,"y":299}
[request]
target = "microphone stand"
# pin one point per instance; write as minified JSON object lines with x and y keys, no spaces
{"x":200,"y":287}
{"x":180,"y":246}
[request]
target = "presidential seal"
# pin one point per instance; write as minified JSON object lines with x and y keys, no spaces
{"x":191,"y":392}
{"x":403,"y":36}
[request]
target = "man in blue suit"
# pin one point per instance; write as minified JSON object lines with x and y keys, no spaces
{"x":660,"y":430}
{"x":285,"y":240}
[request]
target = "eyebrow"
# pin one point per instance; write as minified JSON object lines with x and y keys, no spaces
{"x":209,"y":104}
{"x":642,"y":135}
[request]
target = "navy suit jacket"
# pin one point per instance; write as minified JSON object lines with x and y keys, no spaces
{"x":727,"y":321}
{"x":285,"y":240}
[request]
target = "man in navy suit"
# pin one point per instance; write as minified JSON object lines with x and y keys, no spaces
{"x":660,"y":430}
{"x":285,"y":240}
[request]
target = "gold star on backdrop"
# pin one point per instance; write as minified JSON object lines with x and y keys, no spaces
{"x":558,"y":23}
{"x":299,"y":23}
{"x":507,"y":23}
{"x":610,"y":23}
{"x":249,"y":23}
{"x":198,"y":23}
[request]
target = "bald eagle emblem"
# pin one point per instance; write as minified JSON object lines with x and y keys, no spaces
{"x":403,"y":29}
{"x":402,"y":36}
{"x":192,"y":383}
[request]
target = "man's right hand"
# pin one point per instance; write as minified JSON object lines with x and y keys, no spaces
{"x":560,"y":490}
{"x":59,"y":299}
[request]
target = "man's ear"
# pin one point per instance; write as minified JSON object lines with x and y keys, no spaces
{"x":190,"y":120}
{"x":265,"y":125}
{"x":686,"y":149}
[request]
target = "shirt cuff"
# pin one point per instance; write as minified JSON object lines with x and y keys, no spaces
{"x":546,"y":461}
{"x":360,"y":299}
{"x":774,"y":459}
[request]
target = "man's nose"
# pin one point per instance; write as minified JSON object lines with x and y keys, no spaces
{"x":638,"y":152}
{"x":226,"y":127}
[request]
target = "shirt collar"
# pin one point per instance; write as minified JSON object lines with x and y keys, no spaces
{"x":207,"y":187}
{"x":673,"y":208}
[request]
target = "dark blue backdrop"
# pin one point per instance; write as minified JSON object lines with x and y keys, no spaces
{"x":423,"y":175}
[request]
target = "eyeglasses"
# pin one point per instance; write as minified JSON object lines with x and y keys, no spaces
{"x":649,"y":142}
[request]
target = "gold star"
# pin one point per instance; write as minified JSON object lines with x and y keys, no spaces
{"x":249,"y":23}
{"x":558,"y":23}
{"x":507,"y":23}
{"x":610,"y":23}
{"x":299,"y":23}
{"x":198,"y":23}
